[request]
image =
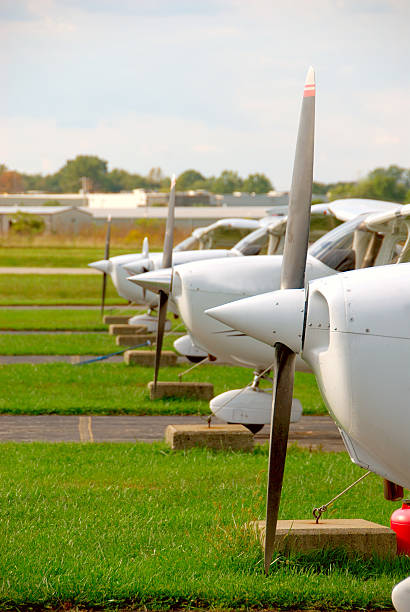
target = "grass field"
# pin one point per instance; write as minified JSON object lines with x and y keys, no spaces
{"x":105,"y":388}
{"x":66,"y":344}
{"x":59,"y":319}
{"x":55,"y":289}
{"x":116,"y":525}
{"x":56,"y":257}
{"x":55,"y":319}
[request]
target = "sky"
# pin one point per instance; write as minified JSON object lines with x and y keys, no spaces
{"x":204,"y":84}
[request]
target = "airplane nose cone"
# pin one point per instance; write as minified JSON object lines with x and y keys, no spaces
{"x":269,"y":317}
{"x":104,"y":265}
{"x":157,"y":280}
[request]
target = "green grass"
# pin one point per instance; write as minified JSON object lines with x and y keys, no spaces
{"x":55,"y":289}
{"x":58,"y":319}
{"x":116,"y":525}
{"x":79,"y":320}
{"x":66,"y":344}
{"x":61,"y":344}
{"x":105,"y":388}
{"x":56,"y":257}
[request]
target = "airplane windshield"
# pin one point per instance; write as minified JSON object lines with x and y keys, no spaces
{"x":335,"y":249}
{"x":189,"y":244}
{"x":222,"y":237}
{"x":256,"y":243}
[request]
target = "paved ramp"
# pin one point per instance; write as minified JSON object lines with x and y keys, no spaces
{"x":310,"y":431}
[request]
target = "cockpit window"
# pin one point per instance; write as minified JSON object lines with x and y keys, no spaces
{"x":222,"y":237}
{"x":189,"y":244}
{"x":256,"y":243}
{"x":335,"y":249}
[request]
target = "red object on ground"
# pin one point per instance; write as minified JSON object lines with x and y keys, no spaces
{"x":400,"y":523}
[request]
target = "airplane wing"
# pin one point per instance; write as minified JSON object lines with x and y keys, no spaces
{"x":233,"y":223}
{"x":348,"y":209}
{"x":384,"y":221}
{"x":277,"y":226}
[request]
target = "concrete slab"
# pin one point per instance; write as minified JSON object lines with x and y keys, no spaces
{"x":195,"y":390}
{"x":116,"y":319}
{"x":134,"y":340}
{"x":147,"y":358}
{"x":355,"y":536}
{"x":123,"y":329}
{"x":219,"y":437}
{"x":147,"y":428}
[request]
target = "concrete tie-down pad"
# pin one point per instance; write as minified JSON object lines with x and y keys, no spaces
{"x":218,"y":437}
{"x":124,"y":329}
{"x":193,"y":390}
{"x":134,"y":340}
{"x":147,"y":358}
{"x":116,"y":319}
{"x":355,"y":536}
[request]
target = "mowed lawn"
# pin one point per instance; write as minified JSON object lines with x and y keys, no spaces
{"x":56,"y":257}
{"x":104,"y":388}
{"x":52,"y":289}
{"x":52,"y":319}
{"x":55,"y":319}
{"x":138,"y":525}
{"x":68,"y":344}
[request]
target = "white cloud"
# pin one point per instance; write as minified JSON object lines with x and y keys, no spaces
{"x":212,"y":86}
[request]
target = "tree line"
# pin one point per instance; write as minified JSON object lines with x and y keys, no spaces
{"x":93,"y":171}
{"x":391,"y":184}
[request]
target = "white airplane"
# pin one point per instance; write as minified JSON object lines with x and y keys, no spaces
{"x":353,"y":330}
{"x":200,"y":239}
{"x":198,"y":246}
{"x":372,"y":238}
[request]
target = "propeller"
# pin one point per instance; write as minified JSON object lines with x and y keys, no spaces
{"x":145,"y":248}
{"x":106,"y":258}
{"x":166,"y":263}
{"x":292,"y":277}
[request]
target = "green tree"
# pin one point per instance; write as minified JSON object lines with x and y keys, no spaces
{"x":341,"y":191}
{"x":26,"y":225}
{"x":90,"y":166}
{"x":154,"y":178}
{"x":257,"y":183}
{"x":188,"y":179}
{"x":320,"y":188}
{"x":391,"y":184}
{"x":380,"y":187}
{"x":227,"y":182}
{"x":121,"y":180}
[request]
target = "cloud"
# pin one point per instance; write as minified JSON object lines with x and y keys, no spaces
{"x":204,"y":84}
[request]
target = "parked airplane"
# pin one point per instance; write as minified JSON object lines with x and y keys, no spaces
{"x":200,"y":245}
{"x":353,"y":330}
{"x":372,"y":238}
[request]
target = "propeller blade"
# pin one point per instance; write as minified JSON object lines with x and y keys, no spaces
{"x":298,"y":225}
{"x":166,"y":263}
{"x":108,"y":238}
{"x":145,"y":248}
{"x":106,"y":257}
{"x":162,"y":317}
{"x":292,"y":277}
{"x":169,"y":229}
{"x":284,"y":367}
{"x":104,"y":286}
